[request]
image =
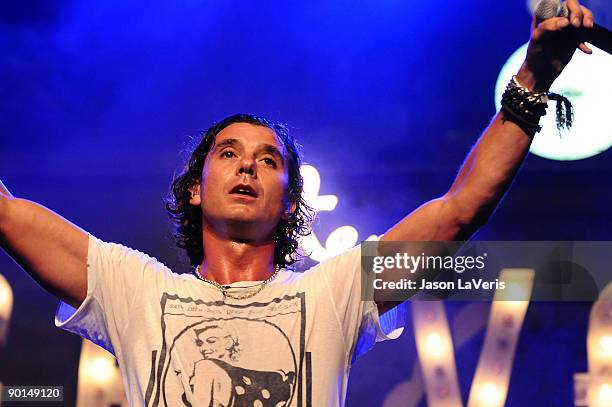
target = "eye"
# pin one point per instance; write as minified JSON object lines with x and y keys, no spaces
{"x":270,"y":162}
{"x":228,"y":154}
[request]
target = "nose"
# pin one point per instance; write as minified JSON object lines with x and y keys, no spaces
{"x":247,"y":166}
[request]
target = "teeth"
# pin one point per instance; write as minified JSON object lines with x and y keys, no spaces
{"x":244,"y":191}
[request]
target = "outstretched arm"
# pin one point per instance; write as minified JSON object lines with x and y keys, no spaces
{"x":480,"y":184}
{"x":489,"y":168}
{"x":51,"y":249}
{"x":491,"y":165}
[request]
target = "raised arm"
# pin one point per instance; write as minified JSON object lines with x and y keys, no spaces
{"x":491,"y":165}
{"x":51,"y":249}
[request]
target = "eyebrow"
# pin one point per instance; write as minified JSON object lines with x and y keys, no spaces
{"x":225,"y":143}
{"x":268,"y":148}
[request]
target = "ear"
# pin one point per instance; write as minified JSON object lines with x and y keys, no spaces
{"x":195,"y":199}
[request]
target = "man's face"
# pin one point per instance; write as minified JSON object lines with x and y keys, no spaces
{"x":244,"y":182}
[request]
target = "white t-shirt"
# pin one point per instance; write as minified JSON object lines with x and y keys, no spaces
{"x":179,"y":344}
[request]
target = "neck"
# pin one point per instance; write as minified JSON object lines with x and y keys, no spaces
{"x":227,"y":260}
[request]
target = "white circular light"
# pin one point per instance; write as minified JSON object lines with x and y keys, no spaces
{"x":586,"y":82}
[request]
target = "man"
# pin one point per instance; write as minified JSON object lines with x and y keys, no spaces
{"x":285,"y":336}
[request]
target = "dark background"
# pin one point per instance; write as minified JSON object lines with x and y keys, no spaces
{"x":98,"y":99}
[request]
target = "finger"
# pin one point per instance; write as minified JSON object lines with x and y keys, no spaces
{"x":585,"y":48}
{"x":575,"y":12}
{"x":588,"y":20}
{"x":551,"y":25}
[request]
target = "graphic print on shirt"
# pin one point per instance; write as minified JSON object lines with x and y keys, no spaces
{"x":219,"y":354}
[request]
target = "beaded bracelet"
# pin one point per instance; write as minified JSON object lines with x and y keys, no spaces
{"x":525,"y":107}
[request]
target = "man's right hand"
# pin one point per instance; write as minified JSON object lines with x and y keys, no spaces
{"x":51,"y":249}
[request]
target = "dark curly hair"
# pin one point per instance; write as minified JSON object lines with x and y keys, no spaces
{"x":187,"y":218}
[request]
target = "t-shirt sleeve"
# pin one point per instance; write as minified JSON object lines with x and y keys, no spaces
{"x":114,"y":273}
{"x":360,"y":321}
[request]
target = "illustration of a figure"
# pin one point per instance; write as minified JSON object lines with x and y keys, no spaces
{"x":217,"y":380}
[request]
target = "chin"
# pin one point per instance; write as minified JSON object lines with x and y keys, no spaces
{"x":245,"y":229}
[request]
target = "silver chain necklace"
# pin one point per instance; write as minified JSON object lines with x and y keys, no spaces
{"x":225,"y":288}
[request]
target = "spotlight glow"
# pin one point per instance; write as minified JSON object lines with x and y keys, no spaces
{"x":311,"y":187}
{"x":606,"y":344}
{"x":490,"y":395}
{"x":585,"y":81}
{"x":516,"y":293}
{"x":101,"y":370}
{"x":434,"y":344}
{"x":604,"y":395}
{"x":341,"y":238}
{"x":6,"y":298}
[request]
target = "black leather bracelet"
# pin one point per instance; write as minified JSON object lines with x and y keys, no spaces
{"x":525,"y":107}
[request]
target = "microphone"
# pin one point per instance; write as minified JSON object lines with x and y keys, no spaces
{"x":599,"y":36}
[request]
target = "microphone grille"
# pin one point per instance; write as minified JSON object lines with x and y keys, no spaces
{"x":550,"y":8}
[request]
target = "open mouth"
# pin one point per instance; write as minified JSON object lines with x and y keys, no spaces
{"x":244,"y":190}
